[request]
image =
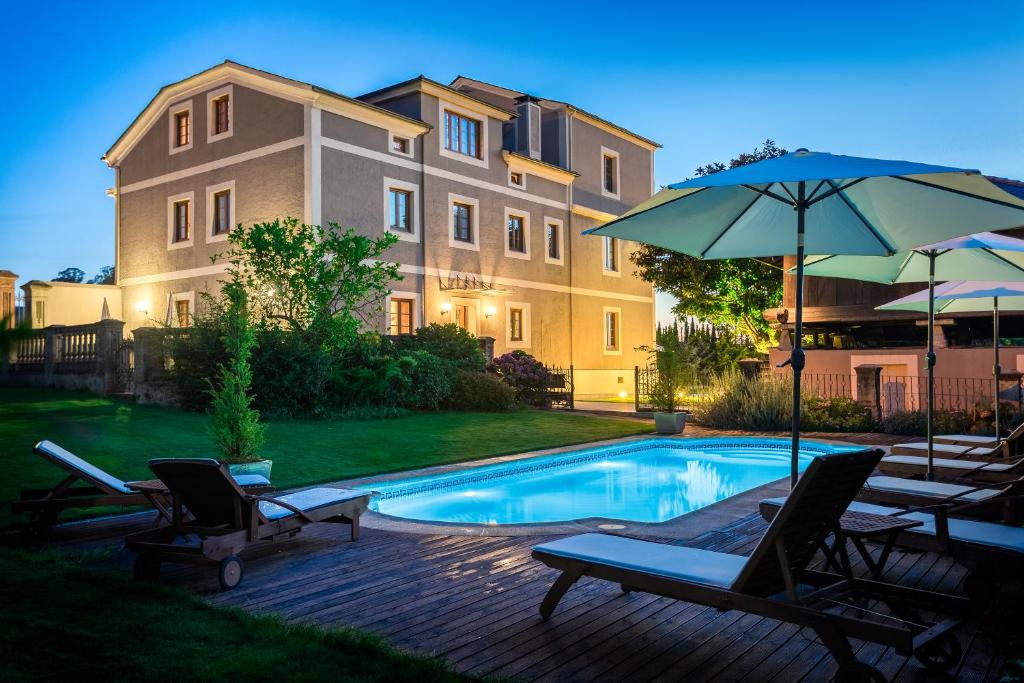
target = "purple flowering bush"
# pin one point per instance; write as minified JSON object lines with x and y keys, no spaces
{"x":522,"y":372}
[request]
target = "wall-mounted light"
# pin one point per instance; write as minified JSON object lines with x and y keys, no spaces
{"x":623,"y":394}
{"x":490,"y":311}
{"x":142,"y":307}
{"x":446,"y":308}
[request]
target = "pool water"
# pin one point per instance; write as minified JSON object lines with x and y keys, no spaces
{"x":652,"y":480}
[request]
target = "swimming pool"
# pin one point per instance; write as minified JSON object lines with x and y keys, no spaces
{"x":650,"y":480}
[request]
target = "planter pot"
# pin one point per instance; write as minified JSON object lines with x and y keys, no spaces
{"x":670,"y":423}
{"x":260,"y":467}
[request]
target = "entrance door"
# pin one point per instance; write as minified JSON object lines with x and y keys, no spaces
{"x":466,"y":311}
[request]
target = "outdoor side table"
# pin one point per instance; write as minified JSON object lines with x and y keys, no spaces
{"x":860,"y":527}
{"x":158,"y":495}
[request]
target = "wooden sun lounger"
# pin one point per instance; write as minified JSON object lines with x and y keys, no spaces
{"x":995,"y":471}
{"x":774,"y":581}
{"x":1003,"y":500}
{"x":993,"y":552}
{"x":978,"y":440}
{"x":100,"y":489}
{"x":223,"y":519}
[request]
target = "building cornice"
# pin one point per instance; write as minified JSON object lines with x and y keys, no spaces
{"x":541,"y":169}
{"x":609,"y":127}
{"x":597,"y":215}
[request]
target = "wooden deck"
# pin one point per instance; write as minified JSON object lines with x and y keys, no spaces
{"x":474,"y":600}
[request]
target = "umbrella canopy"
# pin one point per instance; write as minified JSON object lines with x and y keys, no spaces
{"x":825,"y":203}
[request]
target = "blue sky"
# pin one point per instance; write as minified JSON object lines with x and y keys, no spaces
{"x":936,"y":82}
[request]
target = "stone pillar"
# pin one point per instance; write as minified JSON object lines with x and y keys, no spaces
{"x":751,"y":367}
{"x":51,"y":351}
{"x":869,"y":388}
{"x":149,"y":354}
{"x":487,"y":346}
{"x":109,"y":334}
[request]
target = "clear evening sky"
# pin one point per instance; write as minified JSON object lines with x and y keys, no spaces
{"x":933,"y":81}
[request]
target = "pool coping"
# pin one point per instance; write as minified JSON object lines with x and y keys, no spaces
{"x":686,"y":526}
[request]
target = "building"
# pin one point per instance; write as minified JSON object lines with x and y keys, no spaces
{"x":488,"y":190}
{"x":842,"y":330}
{"x":48,"y":302}
{"x":8,"y":307}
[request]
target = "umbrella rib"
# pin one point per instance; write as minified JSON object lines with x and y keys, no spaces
{"x":1002,"y":258}
{"x":835,"y":189}
{"x":766,"y":193}
{"x":733,"y":222}
{"x":991,"y":200}
{"x":593,"y":230}
{"x":867,"y":224}
{"x":903,"y":266}
{"x":810,"y":197}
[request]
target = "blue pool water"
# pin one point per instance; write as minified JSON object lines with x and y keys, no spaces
{"x":643,"y":481}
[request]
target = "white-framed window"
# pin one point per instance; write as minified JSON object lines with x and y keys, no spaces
{"x":181,"y":309}
{"x":517,"y":325}
{"x":220,"y":211}
{"x":517,"y":233}
{"x":402,"y":310}
{"x":609,"y":173}
{"x":612,"y":331}
{"x":220,"y":113}
{"x":402,"y":209}
{"x":180,"y":217}
{"x":554,"y":248}
{"x":462,"y":134}
{"x":516,"y":179}
{"x":400,"y":144}
{"x":611,"y":256}
{"x":180,"y":126}
{"x":463,"y":222}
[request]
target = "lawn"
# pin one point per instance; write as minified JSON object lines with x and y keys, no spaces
{"x":121,"y":436}
{"x":64,"y":622}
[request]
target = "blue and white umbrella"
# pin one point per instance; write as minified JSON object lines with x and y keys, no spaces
{"x":817,"y":203}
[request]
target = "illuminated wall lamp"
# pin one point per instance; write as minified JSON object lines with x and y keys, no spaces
{"x":490,"y":311}
{"x":142,"y":307}
{"x":446,"y":308}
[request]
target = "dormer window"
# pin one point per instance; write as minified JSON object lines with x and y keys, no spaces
{"x":461,"y":134}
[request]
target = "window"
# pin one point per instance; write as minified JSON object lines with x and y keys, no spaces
{"x":609,"y":173}
{"x":399,"y":205}
{"x":180,"y":120}
{"x":612,"y":330}
{"x":221,"y":212}
{"x":515,"y":178}
{"x":515,"y":324}
{"x":611,"y":255}
{"x":401,"y":315}
{"x":182,"y":128}
{"x":462,"y":316}
{"x":181,"y":312}
{"x":554,"y":246}
{"x":40,"y":307}
{"x":461,"y":134}
{"x":462,"y":218}
{"x":182,"y":221}
{"x":516,"y":234}
{"x":220,"y":115}
{"x":400,"y":145}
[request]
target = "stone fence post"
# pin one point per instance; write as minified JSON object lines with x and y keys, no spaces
{"x":487,"y":346}
{"x":149,"y":354}
{"x":109,"y":334}
{"x":869,"y":388}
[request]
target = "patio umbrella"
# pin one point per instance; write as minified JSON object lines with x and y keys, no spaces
{"x":967,"y":296}
{"x":818,"y":203}
{"x":997,"y":256}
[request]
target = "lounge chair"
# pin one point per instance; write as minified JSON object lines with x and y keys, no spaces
{"x":101,"y":489}
{"x":945,"y":450}
{"x":770,"y":582}
{"x":978,"y":440}
{"x":995,"y":471}
{"x":1002,"y":499}
{"x":223,"y":519}
{"x":993,"y":552}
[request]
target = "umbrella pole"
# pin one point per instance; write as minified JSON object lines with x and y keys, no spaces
{"x":996,"y":370}
{"x":930,"y":361}
{"x":796,"y":356}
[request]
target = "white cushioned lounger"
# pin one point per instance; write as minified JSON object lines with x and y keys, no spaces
{"x":307,"y":500}
{"x":933,"y":489}
{"x":922,"y":461}
{"x":945,"y":449}
{"x":658,"y":559}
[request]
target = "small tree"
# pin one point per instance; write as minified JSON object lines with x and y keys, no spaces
{"x":234,"y":423}
{"x":671,"y":369}
{"x":70,"y":275}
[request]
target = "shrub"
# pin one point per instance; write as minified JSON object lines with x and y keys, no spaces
{"x":427,"y":384}
{"x":737,"y":402}
{"x":481,"y":392}
{"x":915,"y":422}
{"x":196,"y":352}
{"x":524,"y":373}
{"x":837,"y":414}
{"x":291,"y":373}
{"x":449,"y":341}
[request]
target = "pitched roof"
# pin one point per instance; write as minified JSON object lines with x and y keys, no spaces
{"x":423,"y":83}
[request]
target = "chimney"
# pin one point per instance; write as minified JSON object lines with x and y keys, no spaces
{"x":528,"y":127}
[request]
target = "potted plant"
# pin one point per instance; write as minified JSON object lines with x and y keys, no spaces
{"x":234,"y":423}
{"x":670,"y":370}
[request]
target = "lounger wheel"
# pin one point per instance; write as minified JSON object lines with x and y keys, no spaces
{"x":940,"y":654}
{"x":859,"y":672}
{"x":229,"y":572}
{"x":147,"y":568}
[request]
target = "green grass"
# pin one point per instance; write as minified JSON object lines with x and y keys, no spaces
{"x":121,"y":437}
{"x":64,"y":622}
